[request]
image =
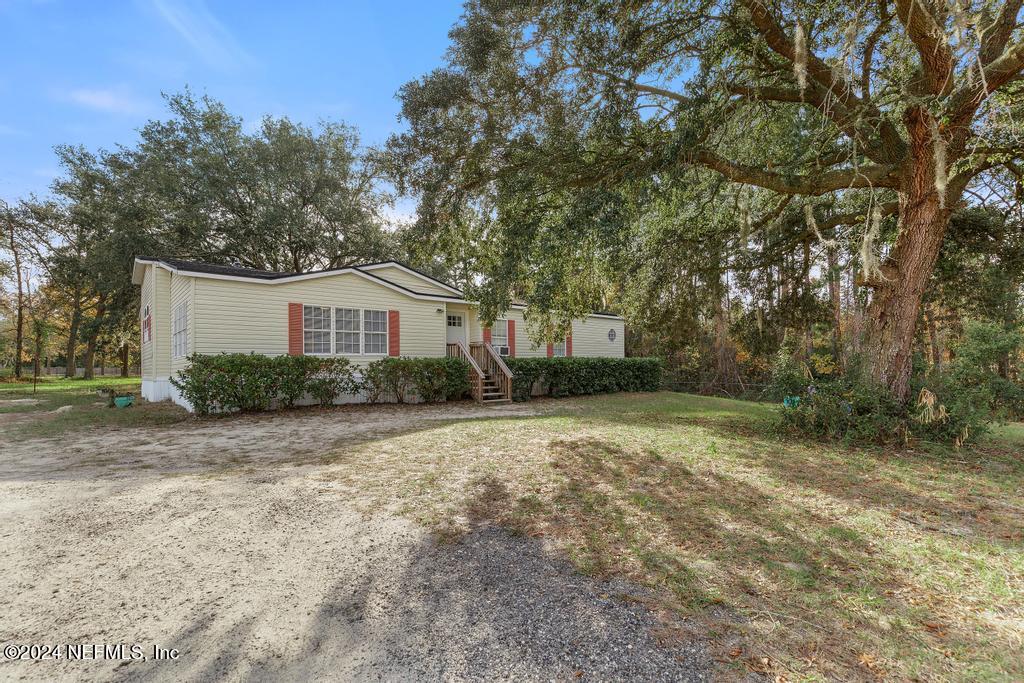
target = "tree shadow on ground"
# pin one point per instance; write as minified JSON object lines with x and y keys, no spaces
{"x":810,"y":583}
{"x":493,"y":605}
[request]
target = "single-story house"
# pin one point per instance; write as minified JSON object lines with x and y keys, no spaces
{"x":363,"y":313}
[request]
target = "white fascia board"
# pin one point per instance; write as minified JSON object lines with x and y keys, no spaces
{"x":306,"y":276}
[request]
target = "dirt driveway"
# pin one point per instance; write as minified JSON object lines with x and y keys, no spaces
{"x":225,"y":541}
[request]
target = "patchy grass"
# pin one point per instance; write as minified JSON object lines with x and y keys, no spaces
{"x":1012,"y":433}
{"x":27,"y":413}
{"x":803,"y":560}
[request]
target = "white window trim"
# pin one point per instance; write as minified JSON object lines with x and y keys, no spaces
{"x":179,"y":331}
{"x":147,"y":327}
{"x":554,"y":349}
{"x":329,"y":330}
{"x":362,"y":332}
{"x":386,"y":333}
{"x":501,"y":347}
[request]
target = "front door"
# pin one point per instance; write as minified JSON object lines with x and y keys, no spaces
{"x":456,"y":328}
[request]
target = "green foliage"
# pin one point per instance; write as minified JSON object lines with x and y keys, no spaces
{"x":789,"y":376}
{"x":228,"y":382}
{"x":980,"y":368}
{"x":294,"y":374}
{"x":428,"y":379}
{"x":439,"y":379}
{"x":579,"y":375}
{"x":333,"y":377}
{"x":252,"y":382}
{"x":374,"y":381}
{"x":853,"y":408}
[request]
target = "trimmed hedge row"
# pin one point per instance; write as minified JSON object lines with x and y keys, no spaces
{"x":231,"y":382}
{"x":573,"y":376}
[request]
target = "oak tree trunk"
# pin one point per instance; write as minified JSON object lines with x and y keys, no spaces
{"x":89,"y":358}
{"x":896,"y":303}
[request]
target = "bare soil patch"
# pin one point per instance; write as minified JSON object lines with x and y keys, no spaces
{"x":234,"y":541}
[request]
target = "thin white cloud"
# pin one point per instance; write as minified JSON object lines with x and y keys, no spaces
{"x":115,"y":101}
{"x":194,"y":22}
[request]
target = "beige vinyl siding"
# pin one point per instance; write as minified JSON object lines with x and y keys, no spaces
{"x":161,"y":323}
{"x":182,"y":290}
{"x":146,"y":296}
{"x":410,"y":281}
{"x":590,"y":337}
{"x":241,"y":317}
{"x":526,"y":346}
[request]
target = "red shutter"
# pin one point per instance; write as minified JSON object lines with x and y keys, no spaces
{"x":394,"y":334}
{"x":568,"y":345}
{"x":551,"y":350}
{"x":294,"y":329}
{"x":512,"y":338}
{"x":487,"y":335}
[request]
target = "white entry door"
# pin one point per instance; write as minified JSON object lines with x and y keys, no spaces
{"x":456,"y":328}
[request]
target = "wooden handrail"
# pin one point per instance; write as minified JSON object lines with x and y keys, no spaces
{"x":499,"y":360}
{"x":476,"y":374}
{"x":472,"y":361}
{"x":487,"y":357}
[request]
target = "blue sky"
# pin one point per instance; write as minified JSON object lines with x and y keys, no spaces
{"x":92,"y":72}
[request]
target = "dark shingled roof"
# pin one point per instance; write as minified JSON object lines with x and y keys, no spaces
{"x":240,"y":271}
{"x":215,"y":269}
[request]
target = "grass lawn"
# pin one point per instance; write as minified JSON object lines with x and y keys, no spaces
{"x":36,"y":409}
{"x":803,"y":560}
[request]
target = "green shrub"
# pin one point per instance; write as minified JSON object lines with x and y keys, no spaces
{"x":294,"y":376}
{"x":854,"y":409}
{"x":429,"y":379}
{"x":574,"y":376}
{"x":975,"y":369}
{"x":373,"y":381}
{"x":228,"y":382}
{"x":439,"y":379}
{"x":332,"y":377}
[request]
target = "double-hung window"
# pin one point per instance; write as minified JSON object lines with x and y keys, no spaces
{"x":347,"y":330}
{"x":179,"y":331}
{"x":375,"y":332}
{"x":147,"y":325}
{"x":558,"y":349}
{"x":499,"y":337}
{"x":344,"y":331}
{"x":316,"y":329}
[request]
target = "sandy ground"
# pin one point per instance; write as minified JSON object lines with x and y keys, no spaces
{"x":224,"y":540}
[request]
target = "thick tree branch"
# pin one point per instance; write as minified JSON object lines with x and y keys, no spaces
{"x":869,"y":50}
{"x":855,"y":217}
{"x":806,"y":185}
{"x":639,"y":87}
{"x":887,"y":146}
{"x":965,"y":102}
{"x":845,"y":120}
{"x":996,"y":36}
{"x":932,"y":46}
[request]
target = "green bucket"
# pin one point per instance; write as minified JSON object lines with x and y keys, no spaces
{"x":123,"y":401}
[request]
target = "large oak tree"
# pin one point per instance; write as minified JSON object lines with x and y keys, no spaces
{"x":900,"y":108}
